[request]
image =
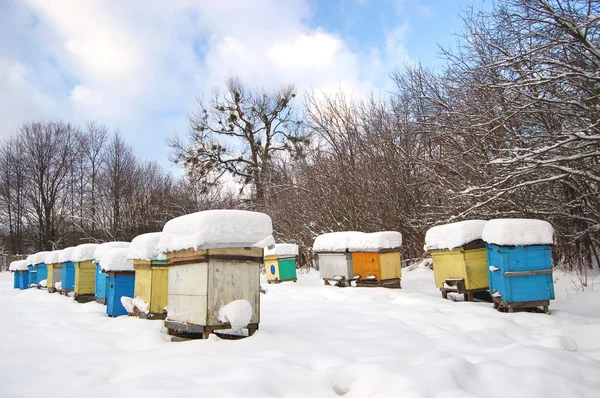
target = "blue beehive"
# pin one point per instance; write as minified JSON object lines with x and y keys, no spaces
{"x":101,"y":276}
{"x":67,"y":269}
{"x":32,"y":274}
{"x":519,"y":253}
{"x":20,"y":274}
{"x":39,"y":268}
{"x":120,"y":284}
{"x":101,"y":285}
{"x":121,"y":279}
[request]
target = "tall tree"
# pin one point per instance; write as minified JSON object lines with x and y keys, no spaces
{"x":240,"y":132}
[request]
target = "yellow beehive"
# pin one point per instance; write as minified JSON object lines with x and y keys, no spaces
{"x":151,"y":281}
{"x":376,"y":259}
{"x":85,"y":272}
{"x":459,"y":257}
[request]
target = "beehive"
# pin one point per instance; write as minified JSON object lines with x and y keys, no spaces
{"x":376,"y":258}
{"x":335,"y":260}
{"x":280,"y":263}
{"x":519,"y":253}
{"x":85,"y":272}
{"x":213,"y":261}
{"x":459,"y":258}
{"x":101,"y":288}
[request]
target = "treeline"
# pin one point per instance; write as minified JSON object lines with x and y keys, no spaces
{"x":63,"y":185}
{"x":510,"y":127}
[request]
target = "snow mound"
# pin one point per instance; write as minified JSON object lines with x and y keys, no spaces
{"x":58,"y":285}
{"x":84,"y":252}
{"x":52,"y":257}
{"x":140,"y":304}
{"x":65,"y":255}
{"x":127,"y":303}
{"x":335,"y":241}
{"x":115,"y":259}
{"x":518,"y":232}
{"x":282,"y":249}
{"x":217,"y":228}
{"x":375,"y":241}
{"x":453,"y":235}
{"x":43,"y":283}
{"x":39,"y":258}
{"x":104,"y":248}
{"x":145,"y":247}
{"x":18,"y":265}
{"x":238,"y":313}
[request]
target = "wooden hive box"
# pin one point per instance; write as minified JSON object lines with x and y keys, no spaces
{"x":280,"y":263}
{"x":335,"y":260}
{"x":121,"y":277}
{"x":38,"y":260}
{"x":459,"y":258}
{"x":151,"y":283}
{"x":20,"y":274}
{"x":85,"y":272}
{"x":53,"y":270}
{"x":67,"y":270}
{"x":213,"y":260}
{"x":376,"y":259}
{"x":519,"y":256}
{"x":101,"y":289}
{"x":32,"y":274}
{"x":151,"y":276}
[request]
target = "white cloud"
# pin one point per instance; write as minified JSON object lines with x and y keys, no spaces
{"x":140,"y":68}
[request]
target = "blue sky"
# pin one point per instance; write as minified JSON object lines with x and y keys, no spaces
{"x":139,"y":68}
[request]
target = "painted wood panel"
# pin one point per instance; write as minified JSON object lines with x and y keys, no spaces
{"x":85,"y":277}
{"x":120,"y":284}
{"x":335,"y":264}
{"x":272,"y":268}
{"x":391,"y":265}
{"x":232,"y":280}
{"x":67,"y":275}
{"x":159,"y":298}
{"x":101,"y":283}
{"x":16,"y":280}
{"x":143,"y":283}
{"x":42,"y":272}
{"x":187,"y":293}
{"x":366,"y":264}
{"x":54,"y":274}
{"x":476,"y":268}
{"x":23,"y":280}
{"x":287,"y":269}
{"x":32,"y":270}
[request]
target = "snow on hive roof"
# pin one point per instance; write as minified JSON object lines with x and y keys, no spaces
{"x":450,"y":236}
{"x":84,"y":252}
{"x":66,"y":254}
{"x":145,"y":247}
{"x":52,"y":257}
{"x":375,"y":241}
{"x":335,"y":241}
{"x":29,"y":259}
{"x":518,"y":232}
{"x":115,"y":259}
{"x":38,"y":258}
{"x":103,"y":248}
{"x":217,"y":228}
{"x":18,"y":265}
{"x":282,"y":249}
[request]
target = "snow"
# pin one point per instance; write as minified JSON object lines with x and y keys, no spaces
{"x":140,"y":304}
{"x":335,"y":242}
{"x":58,"y":285}
{"x":52,"y":257}
{"x":282,"y":250}
{"x":43,"y":283}
{"x":127,"y":303}
{"x":453,"y":235}
{"x":238,"y":313}
{"x":375,"y":241}
{"x":18,"y":265}
{"x":66,"y":255}
{"x":103,"y":248}
{"x":84,"y":252}
{"x":217,"y":228}
{"x":145,"y":247}
{"x":493,"y":268}
{"x":313,"y":341}
{"x":518,"y":232}
{"x":115,"y":259}
{"x":38,"y":258}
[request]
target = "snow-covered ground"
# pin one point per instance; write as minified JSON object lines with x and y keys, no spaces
{"x":314,"y":341}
